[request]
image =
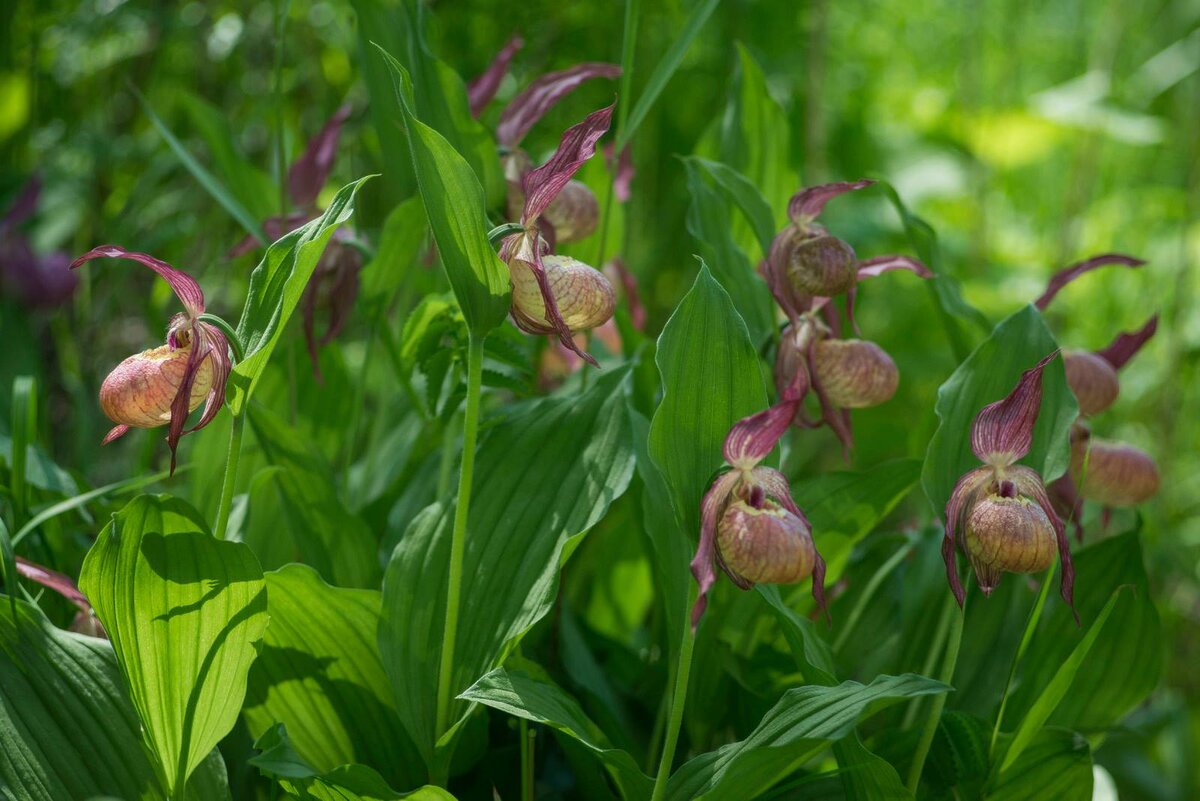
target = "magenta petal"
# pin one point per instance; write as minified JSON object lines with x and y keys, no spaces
{"x":482,"y":89}
{"x":623,"y":172}
{"x":217,"y":349}
{"x":960,"y":499}
{"x":806,"y":204}
{"x":53,"y":580}
{"x":752,"y":438}
{"x":309,"y":172}
{"x":1126,"y":345}
{"x":629,"y":285}
{"x":184,"y":286}
{"x":577,"y":145}
{"x":1003,"y":431}
{"x":869,"y":268}
{"x":540,"y":96}
{"x":114,"y":433}
{"x":702,"y":566}
{"x":1065,"y":276}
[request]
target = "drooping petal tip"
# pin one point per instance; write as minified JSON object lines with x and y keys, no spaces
{"x":807,"y":204}
{"x":1068,"y":274}
{"x":185,"y":287}
{"x":541,"y":95}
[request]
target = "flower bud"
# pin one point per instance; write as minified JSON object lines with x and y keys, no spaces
{"x":822,"y":265}
{"x":1092,"y":379}
{"x":1008,"y":533}
{"x":138,"y":392}
{"x":854,"y":373}
{"x":764,"y":544}
{"x":584,"y":297}
{"x":573,"y":213}
{"x":1113,"y":473}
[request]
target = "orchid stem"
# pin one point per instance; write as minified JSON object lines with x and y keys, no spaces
{"x":458,"y":538}
{"x":231,"y":465}
{"x":500,"y":231}
{"x":1035,"y":615}
{"x":939,"y":702}
{"x":678,"y":700}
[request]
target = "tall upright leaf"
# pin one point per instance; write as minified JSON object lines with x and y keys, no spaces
{"x":183,"y":611}
{"x":67,"y":729}
{"x":711,"y":378}
{"x":550,"y":474}
{"x":455,"y":203}
{"x":276,"y":285}
{"x":1018,"y":343}
{"x":319,"y":673}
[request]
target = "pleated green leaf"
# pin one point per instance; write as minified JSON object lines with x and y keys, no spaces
{"x":457,"y":209}
{"x":711,"y":378}
{"x":67,"y":729}
{"x":319,"y":673}
{"x":280,"y":761}
{"x":1125,"y":661}
{"x":1056,"y":764}
{"x":183,"y":611}
{"x":1018,"y":343}
{"x":799,"y":726}
{"x":546,"y":476}
{"x":522,"y":695}
{"x":276,"y":285}
{"x":866,"y":776}
{"x":309,"y":515}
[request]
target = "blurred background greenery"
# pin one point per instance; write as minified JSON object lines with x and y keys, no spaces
{"x":1029,"y":135}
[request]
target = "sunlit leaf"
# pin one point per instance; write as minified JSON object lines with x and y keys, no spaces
{"x":183,"y":611}
{"x":549,"y":474}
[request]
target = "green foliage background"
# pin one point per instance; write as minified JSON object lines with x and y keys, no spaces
{"x":1027,"y":135}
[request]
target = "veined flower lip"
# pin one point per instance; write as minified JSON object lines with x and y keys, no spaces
{"x":205,"y":341}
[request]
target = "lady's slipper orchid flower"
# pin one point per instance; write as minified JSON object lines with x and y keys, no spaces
{"x":749,"y":523}
{"x":1113,"y":473}
{"x":1002,"y":509}
{"x":334,"y":285}
{"x":804,"y":268}
{"x":33,"y":279}
{"x":556,"y":294}
{"x":163,"y":385}
{"x":572,"y":214}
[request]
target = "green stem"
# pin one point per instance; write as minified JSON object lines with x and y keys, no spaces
{"x":935,"y":714}
{"x":678,"y":700}
{"x":1035,"y":615}
{"x":500,"y":231}
{"x":868,"y":593}
{"x":231,"y":465}
{"x":459,"y":536}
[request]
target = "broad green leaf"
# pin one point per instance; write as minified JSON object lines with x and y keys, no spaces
{"x":755,"y":139}
{"x":810,"y":650}
{"x":711,"y":378}
{"x":280,"y":761}
{"x":1125,"y":661}
{"x":958,"y":755}
{"x":206,"y":179}
{"x":276,"y":285}
{"x":522,"y":695}
{"x":457,"y":209}
{"x":183,"y":611}
{"x":665,"y":68}
{"x":670,"y":546}
{"x":396,"y":258}
{"x":319,"y":673}
{"x":67,"y":728}
{"x":1053,"y":693}
{"x":962,"y":321}
{"x":740,"y":191}
{"x":866,"y":776}
{"x":324,"y":534}
{"x":709,"y":221}
{"x":1018,"y":343}
{"x":253,"y":187}
{"x":845,"y":507}
{"x":799,"y":726}
{"x":547,"y":474}
{"x":1056,"y":763}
